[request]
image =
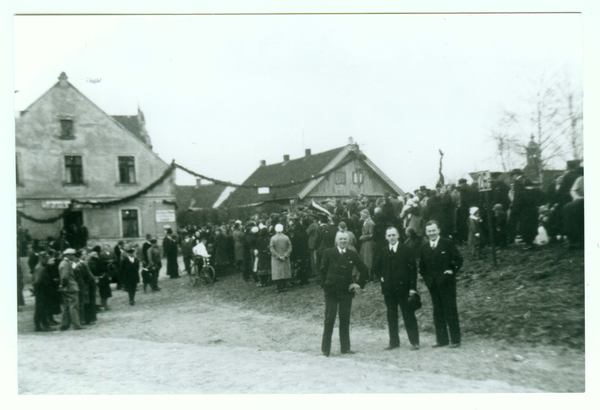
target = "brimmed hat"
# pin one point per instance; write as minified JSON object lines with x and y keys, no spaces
{"x":279,"y":228}
{"x":254,"y":229}
{"x":462,"y":181}
{"x":498,"y":207}
{"x":69,"y":251}
{"x":414,"y":302}
{"x":365,"y":212}
{"x":516,"y":171}
{"x":128,"y":248}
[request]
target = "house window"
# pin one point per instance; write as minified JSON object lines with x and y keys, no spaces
{"x":358,"y":177}
{"x":263,"y":190}
{"x":129,"y":218}
{"x":340,"y":178}
{"x":127,"y":170}
{"x":74,"y":168}
{"x":66,"y":129}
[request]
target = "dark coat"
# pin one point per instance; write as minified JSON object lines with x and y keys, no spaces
{"x":42,"y":282}
{"x":396,"y":270}
{"x":130,"y":272}
{"x":434,"y":262}
{"x":336,"y":270}
{"x":263,"y":243}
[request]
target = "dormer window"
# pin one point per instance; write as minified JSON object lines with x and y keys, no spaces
{"x":66,"y":129}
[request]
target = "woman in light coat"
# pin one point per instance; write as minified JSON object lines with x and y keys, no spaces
{"x":281,"y":249}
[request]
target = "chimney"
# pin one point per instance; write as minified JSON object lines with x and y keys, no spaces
{"x":307,"y":152}
{"x":62,"y":79}
{"x":263,"y":162}
{"x":286,"y":158}
{"x":198,"y":182}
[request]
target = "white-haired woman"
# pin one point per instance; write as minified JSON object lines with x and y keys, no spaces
{"x":281,"y":249}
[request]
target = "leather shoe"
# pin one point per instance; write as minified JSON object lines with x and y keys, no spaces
{"x":392,"y":347}
{"x":454,"y":345}
{"x":348,"y":352}
{"x":415,"y":347}
{"x":325,"y":354}
{"x":439,"y":345}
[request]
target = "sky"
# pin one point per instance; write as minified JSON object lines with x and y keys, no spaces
{"x":220,"y":93}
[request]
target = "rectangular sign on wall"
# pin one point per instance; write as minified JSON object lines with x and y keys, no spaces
{"x":165,"y":215}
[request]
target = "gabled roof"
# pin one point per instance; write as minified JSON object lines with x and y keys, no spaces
{"x":137,"y":135}
{"x":196,"y":197}
{"x":130,"y":122}
{"x":281,"y":173}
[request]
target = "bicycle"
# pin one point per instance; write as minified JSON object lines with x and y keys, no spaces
{"x":204,"y":276}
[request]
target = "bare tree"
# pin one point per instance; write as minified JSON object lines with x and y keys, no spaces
{"x":506,"y":135}
{"x":554,"y":124}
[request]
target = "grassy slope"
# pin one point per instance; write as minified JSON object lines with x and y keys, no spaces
{"x":535,"y":297}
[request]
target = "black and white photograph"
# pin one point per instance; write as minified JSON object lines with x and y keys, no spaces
{"x":263,"y":203}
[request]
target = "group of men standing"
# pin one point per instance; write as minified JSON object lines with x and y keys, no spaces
{"x":395,"y":267}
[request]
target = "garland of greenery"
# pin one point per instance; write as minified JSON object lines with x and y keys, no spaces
{"x":167,"y":173}
{"x":284,"y":185}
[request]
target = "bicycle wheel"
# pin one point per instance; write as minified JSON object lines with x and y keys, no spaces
{"x":194,"y":276}
{"x":207,"y":275}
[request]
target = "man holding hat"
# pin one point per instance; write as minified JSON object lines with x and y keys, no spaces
{"x":69,"y":288}
{"x":396,"y":269}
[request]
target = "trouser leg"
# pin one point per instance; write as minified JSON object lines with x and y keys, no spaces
{"x":187,"y":261}
{"x":331,"y":308}
{"x":40,"y":316}
{"x":65,"y":318}
{"x":410,"y":321}
{"x":450,"y":310}
{"x":345,"y":308}
{"x":391,"y":303}
{"x":313,"y":262}
{"x":441,"y":332}
{"x":131,"y":291}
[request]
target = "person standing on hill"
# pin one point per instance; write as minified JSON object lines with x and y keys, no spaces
{"x":439,"y":264}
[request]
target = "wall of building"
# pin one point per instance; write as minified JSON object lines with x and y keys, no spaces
{"x":99,"y":140}
{"x":371,"y":185}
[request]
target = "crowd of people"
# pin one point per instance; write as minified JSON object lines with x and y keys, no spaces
{"x":76,"y":283}
{"x":289,"y":248}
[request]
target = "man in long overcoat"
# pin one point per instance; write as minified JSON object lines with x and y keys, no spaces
{"x":69,"y":289}
{"x":42,"y":284}
{"x":281,"y":249}
{"x":130,"y":272}
{"x":335,"y":277}
{"x":170,"y":251}
{"x":440,"y":262}
{"x":397,"y":272}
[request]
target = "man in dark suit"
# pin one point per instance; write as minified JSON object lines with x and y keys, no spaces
{"x":440,"y":262}
{"x":336,"y":280}
{"x":130,"y":272}
{"x":395,"y":267}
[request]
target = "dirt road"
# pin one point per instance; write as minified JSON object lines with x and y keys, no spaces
{"x":180,"y":340}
